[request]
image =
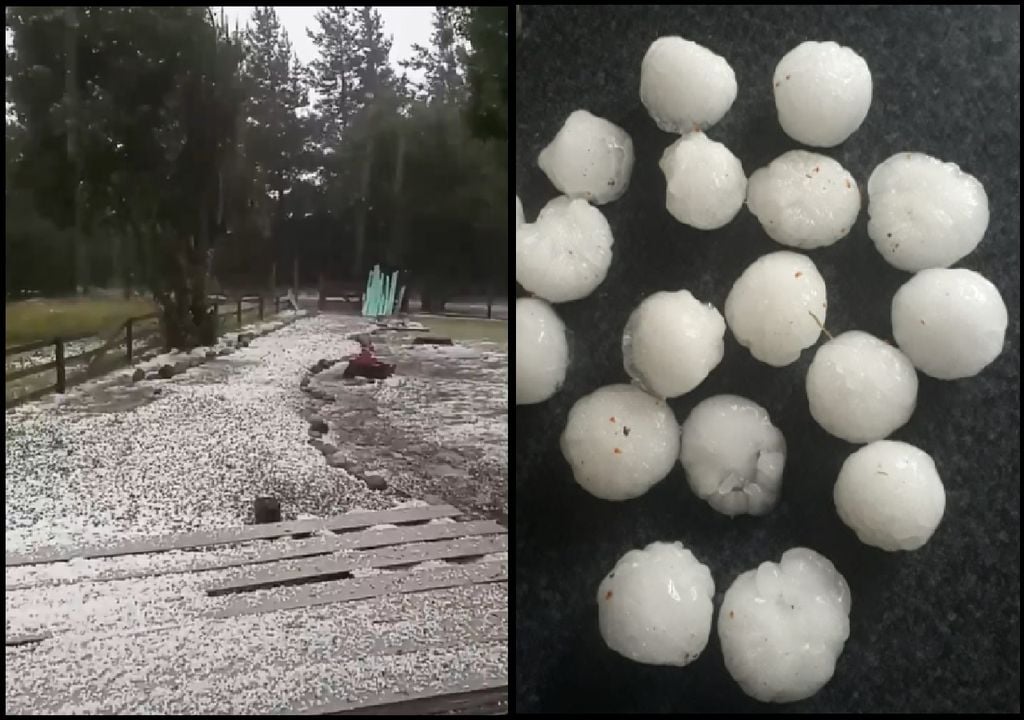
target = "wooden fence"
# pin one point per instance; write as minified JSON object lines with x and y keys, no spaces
{"x":125,"y":333}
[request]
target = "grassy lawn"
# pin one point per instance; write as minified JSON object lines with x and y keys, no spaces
{"x":466,"y":330}
{"x":39,"y":318}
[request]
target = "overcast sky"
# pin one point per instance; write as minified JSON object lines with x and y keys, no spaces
{"x":406,"y":25}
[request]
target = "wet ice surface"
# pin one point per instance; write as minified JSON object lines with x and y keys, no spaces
{"x":439,"y":427}
{"x":114,"y":461}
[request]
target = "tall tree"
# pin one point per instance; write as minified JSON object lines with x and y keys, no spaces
{"x":486,"y":29}
{"x":440,"y":61}
{"x":333,"y":73}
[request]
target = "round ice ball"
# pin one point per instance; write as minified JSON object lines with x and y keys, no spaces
{"x":783,"y":626}
{"x":822,"y":93}
{"x":924,"y":213}
{"x":671,"y":342}
{"x":620,"y":442}
{"x":950,"y":323}
{"x":589,"y":158}
{"x":859,"y":388}
{"x":777,"y":307}
{"x":542,"y":352}
{"x":890,"y":494}
{"x":733,"y":455}
{"x":684,"y":85}
{"x":706,"y":184}
{"x":566,"y":253}
{"x":655,"y":605}
{"x":520,"y":215}
{"x":804,"y":200}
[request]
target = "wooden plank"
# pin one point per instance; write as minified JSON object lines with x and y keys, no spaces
{"x":374,"y":586}
{"x":230,"y":536}
{"x":28,"y":347}
{"x":27,"y":639}
{"x":321,"y":569}
{"x":30,"y":370}
{"x":474,"y":697}
{"x":298,"y":549}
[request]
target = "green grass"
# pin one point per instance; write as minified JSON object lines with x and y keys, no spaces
{"x":40,"y":318}
{"x":466,"y":330}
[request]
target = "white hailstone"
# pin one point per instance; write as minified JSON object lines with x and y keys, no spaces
{"x":589,"y":158}
{"x":804,"y":200}
{"x":655,"y":607}
{"x":705,"y":182}
{"x":783,"y":626}
{"x":822,"y":93}
{"x":890,"y":494}
{"x":671,"y":342}
{"x":777,"y":307}
{"x":950,"y":323}
{"x":542,"y":352}
{"x":924,"y":213}
{"x":620,"y":442}
{"x":861,"y":389}
{"x":520,"y":215}
{"x":733,"y":455}
{"x":566,"y":253}
{"x":684,"y":85}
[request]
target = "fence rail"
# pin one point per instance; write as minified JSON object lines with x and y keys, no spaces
{"x":124,"y":334}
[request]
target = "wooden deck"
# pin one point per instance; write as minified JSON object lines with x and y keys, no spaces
{"x":188,"y":593}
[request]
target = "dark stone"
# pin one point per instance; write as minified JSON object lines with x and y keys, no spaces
{"x":211,"y":354}
{"x":916,"y":616}
{"x":157,"y":390}
{"x":224,"y":351}
{"x":429,"y":340}
{"x":139,"y":374}
{"x":315,"y":434}
{"x":153,"y":375}
{"x":166,"y":372}
{"x":327,"y":448}
{"x":317,"y":423}
{"x":266,"y":510}
{"x":304,"y":382}
{"x":375,"y":482}
{"x":341,"y":460}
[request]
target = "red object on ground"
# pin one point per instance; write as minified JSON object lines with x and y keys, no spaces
{"x":367,"y":365}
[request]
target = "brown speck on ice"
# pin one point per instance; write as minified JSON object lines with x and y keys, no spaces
{"x":611,"y":419}
{"x":608,"y":595}
{"x":798,"y":274}
{"x":625,"y":430}
{"x":617,"y":451}
{"x":848,"y":184}
{"x":731,"y":614}
{"x":922,"y":321}
{"x":787,"y":77}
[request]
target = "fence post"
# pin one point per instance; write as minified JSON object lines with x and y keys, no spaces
{"x":273,"y":277}
{"x":277,"y":304}
{"x":216,"y":318}
{"x":238,"y":312}
{"x":59,"y":352}
{"x":128,"y":339}
{"x":261,"y":308}
{"x":295,"y":276}
{"x":322,"y":301}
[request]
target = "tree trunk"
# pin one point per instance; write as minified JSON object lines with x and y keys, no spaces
{"x":396,"y":255}
{"x":78,"y":257}
{"x":364,"y":203}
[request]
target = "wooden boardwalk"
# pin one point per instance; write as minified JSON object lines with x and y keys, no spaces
{"x":188,"y":593}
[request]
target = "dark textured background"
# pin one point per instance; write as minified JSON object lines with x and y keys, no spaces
{"x":933,"y":630}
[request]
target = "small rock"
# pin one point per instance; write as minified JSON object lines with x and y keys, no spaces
{"x":267,"y":510}
{"x":317,"y":423}
{"x":315,"y":434}
{"x":243,"y":343}
{"x":166,"y":372}
{"x":304,"y":382}
{"x":157,"y":391}
{"x":153,"y":375}
{"x":323,"y":364}
{"x":375,"y":482}
{"x":224,"y":351}
{"x":341,"y":460}
{"x":139,"y":374}
{"x":211,"y":354}
{"x":327,"y":449}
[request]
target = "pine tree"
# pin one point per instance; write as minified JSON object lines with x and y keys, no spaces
{"x":444,"y":79}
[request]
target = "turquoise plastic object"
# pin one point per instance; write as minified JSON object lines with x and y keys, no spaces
{"x":379,"y":300}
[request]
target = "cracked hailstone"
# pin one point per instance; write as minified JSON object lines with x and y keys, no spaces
{"x":671,"y":342}
{"x":783,"y":626}
{"x":890,"y":494}
{"x":566,"y":253}
{"x":950,"y":323}
{"x":542,"y":353}
{"x":777,"y":307}
{"x":822,"y":93}
{"x":684,"y":85}
{"x":620,"y":442}
{"x":655,"y":607}
{"x":804,"y":200}
{"x":733,"y":455}
{"x":924,"y":213}
{"x":861,"y":389}
{"x":589,"y":158}
{"x":705,"y":182}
